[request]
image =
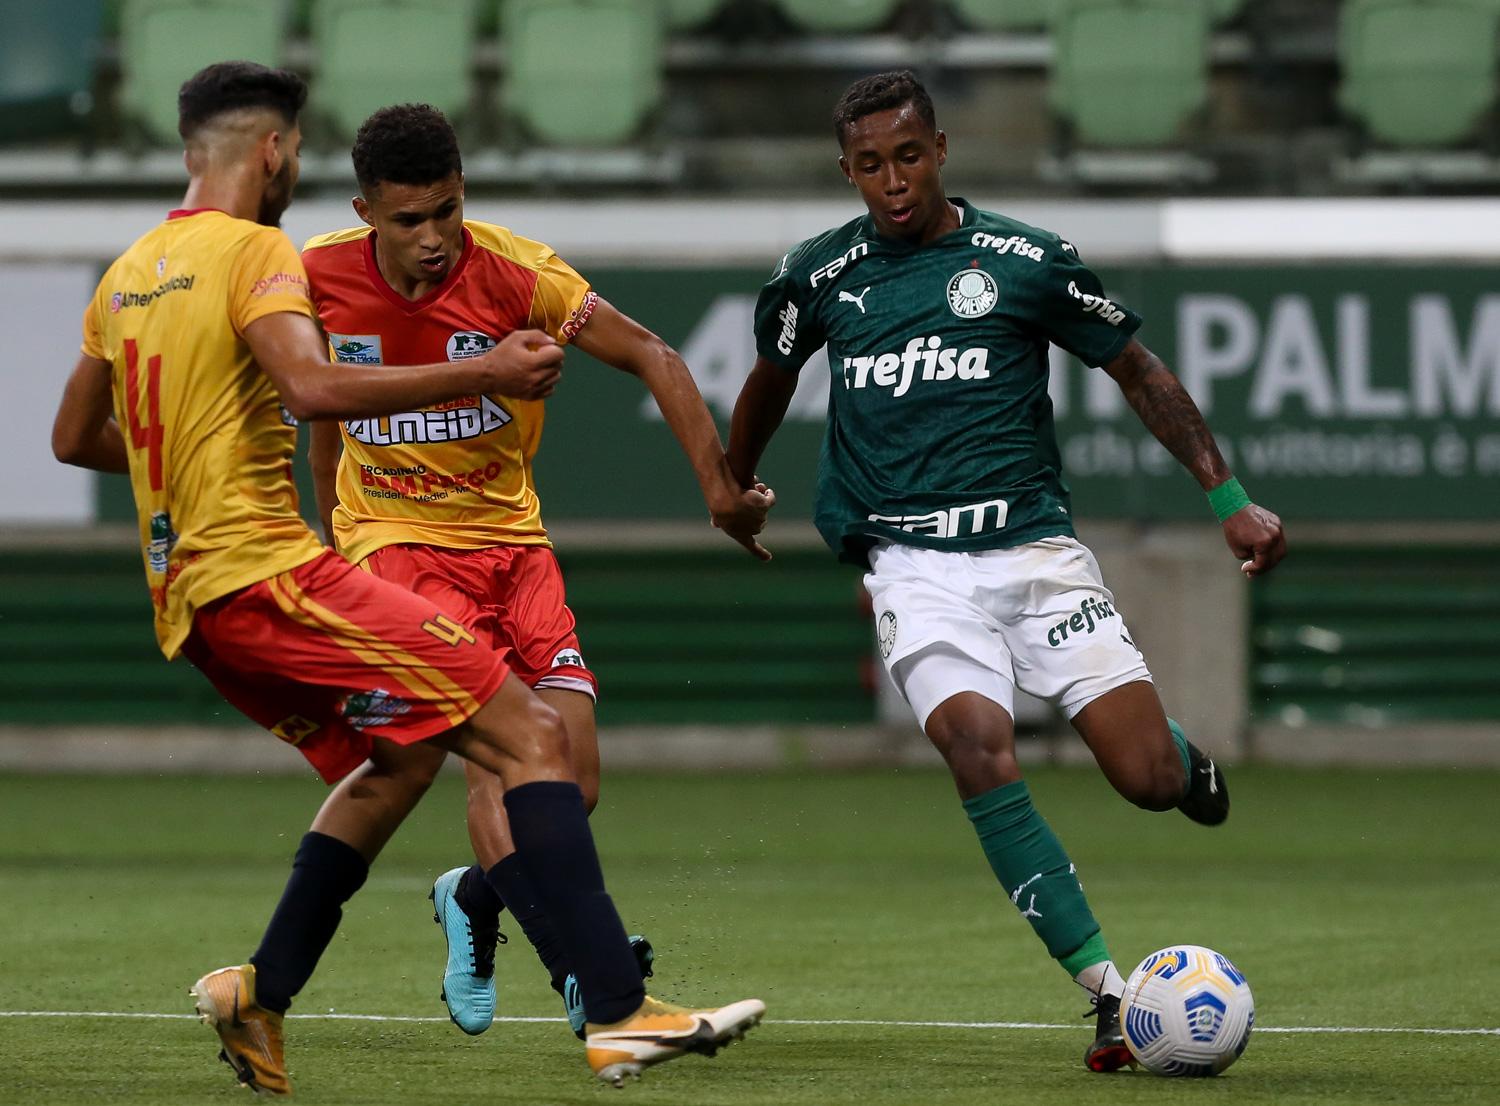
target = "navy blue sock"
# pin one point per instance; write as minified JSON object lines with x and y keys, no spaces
{"x":475,"y":896}
{"x":510,"y":885}
{"x":325,"y":874}
{"x":556,"y":850}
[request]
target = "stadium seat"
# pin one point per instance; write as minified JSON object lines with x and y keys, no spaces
{"x":1128,"y":72}
{"x":46,"y":66}
{"x":839,"y":16}
{"x":164,"y":42}
{"x":581,"y":72}
{"x":1418,"y":73}
{"x":1005,"y":15}
{"x":370,"y":53}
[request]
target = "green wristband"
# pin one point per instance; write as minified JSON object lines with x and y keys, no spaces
{"x":1228,"y":498}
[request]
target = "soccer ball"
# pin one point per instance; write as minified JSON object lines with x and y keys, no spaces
{"x":1186,"y":1011}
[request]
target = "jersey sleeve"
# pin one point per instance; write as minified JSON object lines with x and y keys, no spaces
{"x":267,"y":277}
{"x":1069,"y":307}
{"x":562,"y":300}
{"x":785,"y":332}
{"x":93,"y":331}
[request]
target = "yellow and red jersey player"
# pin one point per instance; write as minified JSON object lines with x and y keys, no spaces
{"x":290,"y":636}
{"x":442,"y":500}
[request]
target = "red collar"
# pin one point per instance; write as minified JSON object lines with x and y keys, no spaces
{"x":184,"y":212}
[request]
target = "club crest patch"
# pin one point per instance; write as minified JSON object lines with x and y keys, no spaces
{"x":885,"y":633}
{"x":972,"y":293}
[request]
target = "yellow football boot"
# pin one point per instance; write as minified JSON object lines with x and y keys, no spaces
{"x":659,"y":1032}
{"x":251,"y":1035}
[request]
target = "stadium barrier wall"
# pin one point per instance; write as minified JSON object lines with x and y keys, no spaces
{"x":1347,"y":354}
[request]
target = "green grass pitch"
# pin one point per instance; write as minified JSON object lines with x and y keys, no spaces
{"x":1350,"y":899}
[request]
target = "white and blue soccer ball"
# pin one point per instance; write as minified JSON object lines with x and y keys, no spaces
{"x":1187,"y":1011}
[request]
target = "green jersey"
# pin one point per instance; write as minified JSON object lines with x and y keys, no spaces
{"x":939,"y":425}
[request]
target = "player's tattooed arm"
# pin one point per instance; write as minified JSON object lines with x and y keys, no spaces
{"x":1253,"y":533}
{"x":85,"y":432}
{"x":1167,"y":410}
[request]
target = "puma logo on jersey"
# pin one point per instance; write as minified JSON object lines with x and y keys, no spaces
{"x":858,"y":301}
{"x":898,"y":370}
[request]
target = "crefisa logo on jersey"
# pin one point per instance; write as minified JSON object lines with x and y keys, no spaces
{"x":356,"y":349}
{"x":468,"y":343}
{"x":972,"y":293}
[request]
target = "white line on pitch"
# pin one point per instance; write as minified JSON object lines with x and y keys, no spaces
{"x":877,"y":1023}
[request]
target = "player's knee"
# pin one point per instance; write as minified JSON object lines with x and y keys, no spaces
{"x":543,"y":734}
{"x":976,"y":752}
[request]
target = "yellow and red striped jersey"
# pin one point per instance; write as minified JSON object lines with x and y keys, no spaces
{"x":210,"y":445}
{"x":456,"y":475}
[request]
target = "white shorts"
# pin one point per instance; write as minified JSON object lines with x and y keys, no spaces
{"x":1037,"y":617}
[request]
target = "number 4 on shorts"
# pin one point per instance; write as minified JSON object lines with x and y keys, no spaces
{"x":446,"y":630}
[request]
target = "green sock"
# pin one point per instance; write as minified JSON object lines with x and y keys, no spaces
{"x":1182,"y":750}
{"x":1031,"y":865}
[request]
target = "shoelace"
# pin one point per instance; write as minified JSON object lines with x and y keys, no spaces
{"x":483,"y":939}
{"x":1097,"y":1006}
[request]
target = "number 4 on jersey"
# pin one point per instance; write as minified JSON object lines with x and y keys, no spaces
{"x":148,"y":437}
{"x":447,"y":631}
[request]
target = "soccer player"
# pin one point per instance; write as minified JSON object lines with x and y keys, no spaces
{"x":940,"y":473}
{"x":201,"y":343}
{"x":442,"y":500}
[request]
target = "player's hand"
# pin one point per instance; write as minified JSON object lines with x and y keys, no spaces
{"x":1254,"y":535}
{"x":526,"y":364}
{"x":744,"y":516}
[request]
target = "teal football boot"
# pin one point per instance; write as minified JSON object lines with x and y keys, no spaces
{"x":572,"y":994}
{"x":469,"y":977}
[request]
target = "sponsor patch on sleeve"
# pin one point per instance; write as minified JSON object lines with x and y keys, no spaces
{"x":579,"y":316}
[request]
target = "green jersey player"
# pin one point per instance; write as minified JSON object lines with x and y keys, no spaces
{"x":940,"y":472}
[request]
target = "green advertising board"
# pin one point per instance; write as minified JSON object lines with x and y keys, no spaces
{"x":1338,"y":392}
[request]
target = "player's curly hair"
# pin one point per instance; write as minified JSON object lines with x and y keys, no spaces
{"x":405,"y":144}
{"x":232,"y":85}
{"x":881,"y":92}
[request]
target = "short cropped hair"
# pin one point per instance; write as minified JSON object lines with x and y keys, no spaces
{"x":882,"y":92}
{"x":405,"y":144}
{"x":233,"y":85}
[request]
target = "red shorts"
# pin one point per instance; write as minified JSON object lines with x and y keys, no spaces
{"x":510,"y":596}
{"x":328,"y":659}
